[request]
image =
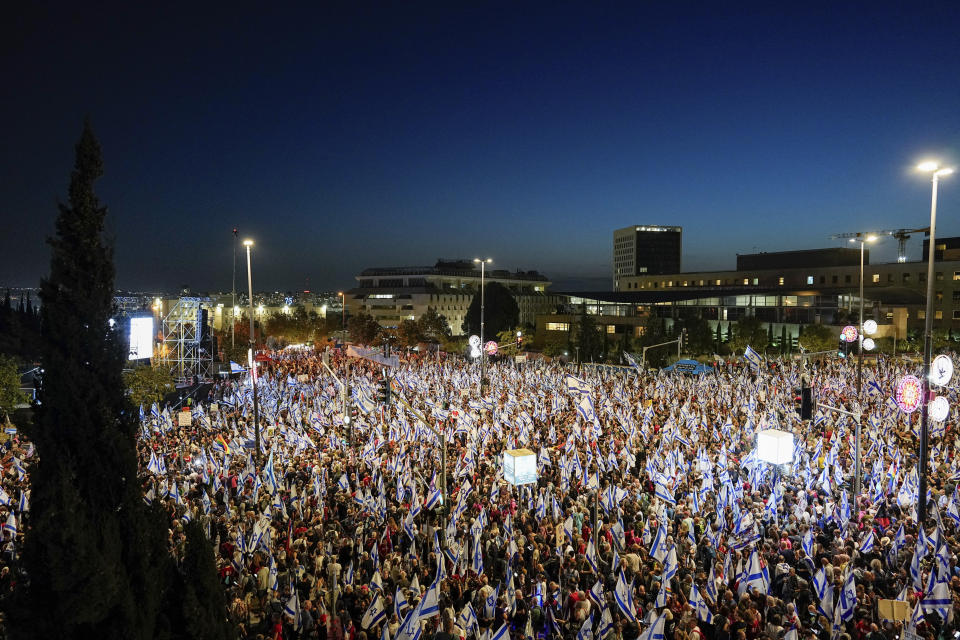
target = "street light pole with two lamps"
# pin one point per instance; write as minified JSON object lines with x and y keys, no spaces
{"x":936,"y":172}
{"x":253,"y":364}
{"x":483,"y":347}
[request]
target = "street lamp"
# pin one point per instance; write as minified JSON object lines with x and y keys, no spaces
{"x":483,"y":349}
{"x":343,"y":316}
{"x":253,"y":365}
{"x":862,"y":239}
{"x":936,"y":170}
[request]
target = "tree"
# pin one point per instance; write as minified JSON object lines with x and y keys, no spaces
{"x":10,"y":394}
{"x":95,"y":564}
{"x":588,"y":337}
{"x":363,"y":329}
{"x":818,"y":337}
{"x":408,"y":333}
{"x":433,"y":326}
{"x":200,"y":606}
{"x":147,"y":385}
{"x":699,"y":338}
{"x":500,"y":311}
{"x":749,"y":331}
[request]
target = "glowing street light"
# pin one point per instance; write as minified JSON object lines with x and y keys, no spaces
{"x":253,"y":364}
{"x":483,"y":264}
{"x":936,"y":171}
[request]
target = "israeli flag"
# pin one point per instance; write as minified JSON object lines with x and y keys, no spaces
{"x":866,"y":545}
{"x":757,"y":575}
{"x":586,"y":629}
{"x":655,"y":631}
{"x":375,"y":613}
{"x":502,"y":633}
{"x":596,"y":593}
{"x":575,"y":385}
{"x":10,"y":526}
{"x":752,"y":357}
{"x":585,"y":409}
{"x":623,"y":594}
{"x":658,"y":550}
{"x":606,"y":623}
{"x":700,"y":605}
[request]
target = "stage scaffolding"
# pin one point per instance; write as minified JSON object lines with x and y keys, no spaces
{"x":182,"y":350}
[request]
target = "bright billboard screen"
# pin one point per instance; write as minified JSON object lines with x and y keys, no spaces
{"x":141,"y":338}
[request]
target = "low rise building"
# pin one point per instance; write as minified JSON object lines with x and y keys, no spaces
{"x":394,"y":294}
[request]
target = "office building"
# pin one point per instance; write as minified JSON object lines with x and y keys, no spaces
{"x":646,"y":249}
{"x":394,"y":294}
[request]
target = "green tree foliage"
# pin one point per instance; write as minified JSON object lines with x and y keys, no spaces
{"x":555,"y":344}
{"x":20,"y":329}
{"x":10,"y":394}
{"x":96,"y":560}
{"x":501,"y":311}
{"x":700,"y":339}
{"x":654,"y":333}
{"x":748,"y":331}
{"x":818,"y":337}
{"x":241,"y":340}
{"x":434,"y":326}
{"x":147,"y":385}
{"x":588,"y":337}
{"x":408,"y":333}
{"x":199,"y":606}
{"x":363,"y":329}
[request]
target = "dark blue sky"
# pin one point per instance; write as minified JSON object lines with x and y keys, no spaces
{"x":341,"y":137}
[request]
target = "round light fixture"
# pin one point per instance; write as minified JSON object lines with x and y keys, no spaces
{"x":868,"y":344}
{"x":909,"y":394}
{"x":939,"y":409}
{"x":870,"y":327}
{"x":941,"y":370}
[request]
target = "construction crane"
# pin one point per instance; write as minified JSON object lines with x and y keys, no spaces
{"x":902,"y":235}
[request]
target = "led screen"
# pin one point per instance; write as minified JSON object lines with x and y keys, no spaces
{"x":141,"y":338}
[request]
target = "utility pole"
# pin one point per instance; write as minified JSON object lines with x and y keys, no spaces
{"x":233,"y":307}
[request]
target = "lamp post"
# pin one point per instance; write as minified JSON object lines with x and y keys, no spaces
{"x":343,"y":314}
{"x":233,"y":307}
{"x":862,"y":239}
{"x":936,"y":170}
{"x":253,"y":363}
{"x":483,"y":349}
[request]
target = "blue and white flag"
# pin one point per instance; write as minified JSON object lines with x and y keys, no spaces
{"x":375,"y":613}
{"x":503,"y":633}
{"x":757,"y":575}
{"x":576,"y":386}
{"x":866,"y":545}
{"x":655,"y":631}
{"x":658,"y":550}
{"x":700,"y":605}
{"x":623,"y":594}
{"x":752,"y":357}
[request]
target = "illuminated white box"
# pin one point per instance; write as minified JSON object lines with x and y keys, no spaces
{"x":775,"y":446}
{"x":519,"y":466}
{"x":141,"y":338}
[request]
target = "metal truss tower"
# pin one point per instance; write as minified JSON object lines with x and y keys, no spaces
{"x":185,"y":350}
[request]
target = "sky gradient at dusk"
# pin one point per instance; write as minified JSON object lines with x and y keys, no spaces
{"x":341,"y":138}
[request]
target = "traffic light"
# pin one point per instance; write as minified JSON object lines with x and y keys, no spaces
{"x":383,"y":390}
{"x":519,"y":339}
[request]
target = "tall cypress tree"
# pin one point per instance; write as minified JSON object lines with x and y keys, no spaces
{"x":95,"y":556}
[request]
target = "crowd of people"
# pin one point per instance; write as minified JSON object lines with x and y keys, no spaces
{"x":652,"y":515}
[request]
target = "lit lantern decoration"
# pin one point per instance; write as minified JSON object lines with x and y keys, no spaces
{"x":909,"y":394}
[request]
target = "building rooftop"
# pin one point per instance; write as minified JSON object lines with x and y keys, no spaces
{"x":454,"y":268}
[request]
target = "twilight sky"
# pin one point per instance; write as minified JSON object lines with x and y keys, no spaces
{"x":342,"y":137}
